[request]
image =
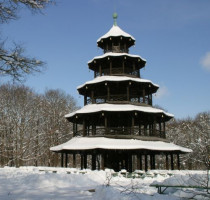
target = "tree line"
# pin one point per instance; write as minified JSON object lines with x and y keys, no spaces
{"x":31,"y":123}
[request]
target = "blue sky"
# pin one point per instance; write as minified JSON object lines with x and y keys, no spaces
{"x":173,"y":36}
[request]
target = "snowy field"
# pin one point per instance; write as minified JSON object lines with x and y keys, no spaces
{"x":44,"y":183}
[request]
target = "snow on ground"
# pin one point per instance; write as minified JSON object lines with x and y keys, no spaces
{"x":42,"y":183}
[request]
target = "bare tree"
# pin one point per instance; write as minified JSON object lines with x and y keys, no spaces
{"x":13,"y":61}
{"x":31,"y":123}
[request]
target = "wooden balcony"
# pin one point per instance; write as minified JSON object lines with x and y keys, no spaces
{"x":116,"y":131}
{"x":120,"y":99}
{"x":118,"y":71}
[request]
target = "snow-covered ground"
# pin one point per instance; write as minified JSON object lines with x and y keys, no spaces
{"x":44,"y":183}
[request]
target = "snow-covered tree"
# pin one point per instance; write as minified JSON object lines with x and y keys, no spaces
{"x":31,"y":123}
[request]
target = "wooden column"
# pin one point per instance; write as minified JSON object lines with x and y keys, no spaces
{"x":151,"y":161}
{"x":178,"y":162}
{"x":123,"y":66}
{"x":138,"y":161}
{"x":105,"y":123}
{"x":102,"y":161}
{"x":132,"y":125}
{"x":100,"y":71}
{"x":84,"y":128}
{"x":93,"y":162}
{"x":164,"y":130}
{"x":160,"y":134}
{"x":134,"y":67}
{"x":61,"y":159}
{"x":74,"y":129}
{"x":172,"y":162}
{"x":128,"y":93}
{"x":130,"y":163}
{"x":145,"y":129}
{"x":167,"y":164}
{"x":143,"y":91}
{"x":110,"y":66}
{"x":145,"y":162}
{"x":139,"y":128}
{"x":108,"y":92}
{"x":154,"y":127}
{"x":92,"y":96}
{"x":82,"y":161}
{"x":66,"y":160}
{"x":85,"y":160}
{"x":85,"y":99}
{"x":74,"y":160}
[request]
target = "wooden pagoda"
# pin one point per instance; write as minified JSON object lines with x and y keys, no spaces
{"x":118,"y":127}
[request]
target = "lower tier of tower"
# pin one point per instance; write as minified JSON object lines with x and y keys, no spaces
{"x":117,"y":154}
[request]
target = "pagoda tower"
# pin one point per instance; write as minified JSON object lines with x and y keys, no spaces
{"x":118,"y":127}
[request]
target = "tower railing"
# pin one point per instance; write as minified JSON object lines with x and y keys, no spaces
{"x":137,"y":131}
{"x":118,"y":71}
{"x":119,"y":98}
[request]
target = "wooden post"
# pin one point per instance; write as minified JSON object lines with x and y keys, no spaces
{"x":167,"y":164}
{"x":151,"y":161}
{"x":100,"y":72}
{"x":61,"y":159}
{"x":123,"y":66}
{"x":139,"y":128}
{"x":138,"y":161}
{"x":74,"y":160}
{"x":110,"y":67}
{"x":82,"y":161}
{"x":92,"y":96}
{"x":93,"y":162}
{"x":154,"y":127}
{"x":145,"y":129}
{"x":132,"y":125}
{"x":164,"y":130}
{"x":105,"y":123}
{"x":102,"y":161}
{"x":134,"y":66}
{"x":66,"y":160}
{"x":108,"y":92}
{"x":172,"y":162}
{"x":84,"y":128}
{"x":130,"y":166}
{"x":85,"y":160}
{"x":178,"y":162}
{"x":145,"y":162}
{"x":128,"y":93}
{"x":160,"y":134}
{"x":143,"y":95}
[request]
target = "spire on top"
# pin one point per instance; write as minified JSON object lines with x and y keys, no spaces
{"x":115,"y":18}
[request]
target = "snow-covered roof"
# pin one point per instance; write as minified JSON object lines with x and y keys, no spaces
{"x":84,"y":143}
{"x":114,"y":32}
{"x":100,"y":79}
{"x":115,"y":54}
{"x":93,"y":108}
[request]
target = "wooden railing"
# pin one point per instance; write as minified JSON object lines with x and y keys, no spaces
{"x":118,"y":98}
{"x":118,"y":71}
{"x":120,"y":131}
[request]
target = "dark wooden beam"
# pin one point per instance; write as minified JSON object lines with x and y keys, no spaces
{"x":167,"y":164}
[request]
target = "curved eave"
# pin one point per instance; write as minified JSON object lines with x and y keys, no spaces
{"x":111,"y":54}
{"x":90,"y":143}
{"x":107,"y":79}
{"x":96,"y":108}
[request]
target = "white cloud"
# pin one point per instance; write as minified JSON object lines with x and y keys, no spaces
{"x":205,"y":61}
{"x":162,"y":91}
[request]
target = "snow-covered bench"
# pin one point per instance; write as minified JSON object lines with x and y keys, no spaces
{"x":162,"y":188}
{"x":189,"y":181}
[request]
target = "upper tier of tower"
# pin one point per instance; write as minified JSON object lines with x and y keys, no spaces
{"x":116,"y":40}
